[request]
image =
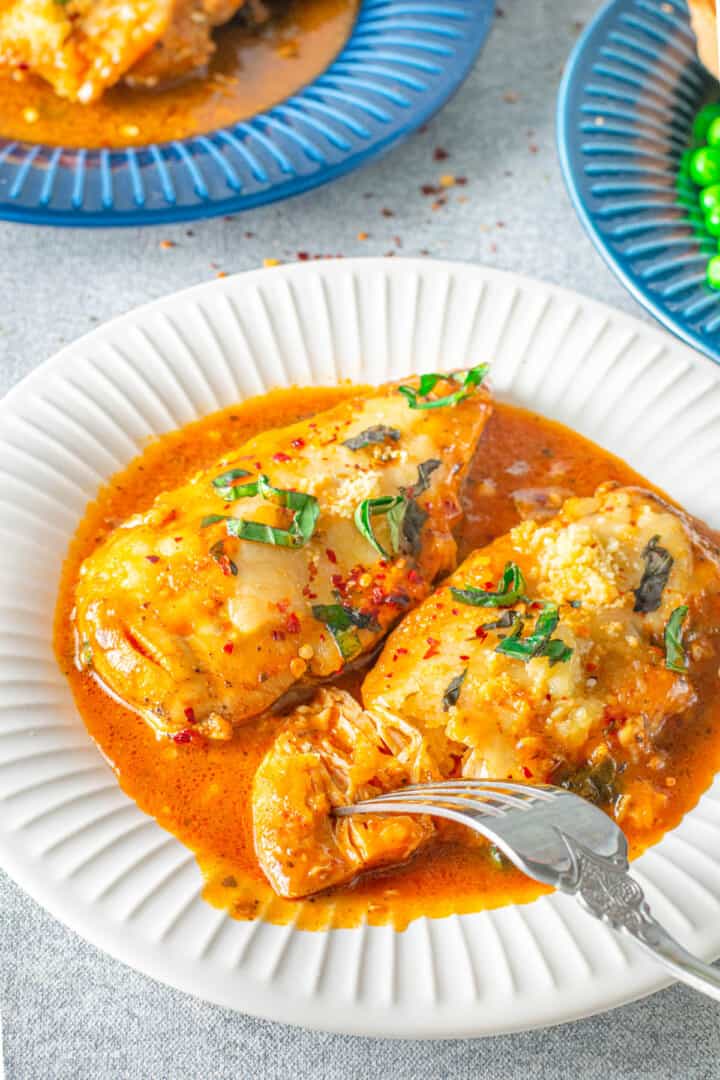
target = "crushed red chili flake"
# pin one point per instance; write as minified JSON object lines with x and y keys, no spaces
{"x":189,"y":714}
{"x":303,"y":256}
{"x":297,"y":444}
{"x":439,"y":154}
{"x":434,"y":645}
{"x":526,"y":772}
{"x":153,"y":558}
{"x":331,"y":555}
{"x":282,"y":605}
{"x":401,"y":651}
{"x":228,"y":647}
{"x":337,"y":580}
{"x":429,"y":189}
{"x":292,"y":623}
{"x":277,"y":635}
{"x":182,"y":737}
{"x":480,"y":633}
{"x":464,"y":657}
{"x":178,"y":539}
{"x":414,"y":577}
{"x":386,"y":212}
{"x":258,"y":464}
{"x":281,"y":457}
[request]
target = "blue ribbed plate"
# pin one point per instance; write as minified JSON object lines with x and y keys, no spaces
{"x":625,"y":112}
{"x":403,"y":61}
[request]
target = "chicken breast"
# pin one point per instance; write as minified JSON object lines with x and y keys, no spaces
{"x":82,"y":47}
{"x":562,"y":652}
{"x":288,"y":560}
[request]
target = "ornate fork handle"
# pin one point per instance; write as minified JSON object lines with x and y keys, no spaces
{"x":606,"y":890}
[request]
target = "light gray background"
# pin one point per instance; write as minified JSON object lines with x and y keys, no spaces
{"x":68,"y":1010}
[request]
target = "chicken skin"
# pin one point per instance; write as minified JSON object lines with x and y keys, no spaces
{"x":288,"y":560}
{"x":82,"y":47}
{"x":563,"y":652}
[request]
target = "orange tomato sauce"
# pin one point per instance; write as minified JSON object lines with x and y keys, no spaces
{"x":203,"y":795}
{"x":250,"y":72}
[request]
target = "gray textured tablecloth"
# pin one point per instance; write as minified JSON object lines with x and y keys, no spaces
{"x":68,"y":1010}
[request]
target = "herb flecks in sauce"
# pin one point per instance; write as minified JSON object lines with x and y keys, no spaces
{"x":452,"y":693}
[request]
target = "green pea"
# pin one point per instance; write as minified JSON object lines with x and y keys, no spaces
{"x":703,"y":120}
{"x":712,"y":222}
{"x":713,"y":272}
{"x":705,"y":166}
{"x":713,"y":133}
{"x":710,"y":198}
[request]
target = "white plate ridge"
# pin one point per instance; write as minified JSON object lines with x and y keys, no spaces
{"x":78,"y":845}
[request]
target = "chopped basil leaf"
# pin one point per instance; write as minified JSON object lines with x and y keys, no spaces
{"x":506,"y":620}
{"x":596,"y":783}
{"x":305,"y":508}
{"x":212,"y":519}
{"x":468,"y":380}
{"x":425,"y":471}
{"x":658,"y":564}
{"x":451,"y":695}
{"x":376,"y":434}
{"x":540,"y":642}
{"x":412,"y":525}
{"x":226,"y":564}
{"x":370,"y":508}
{"x":509,"y":590}
{"x":675,"y":656}
{"x":225,"y":484}
{"x":343,"y":623}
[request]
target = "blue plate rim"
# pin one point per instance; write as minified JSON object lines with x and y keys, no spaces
{"x":564,"y":109}
{"x":479,"y":19}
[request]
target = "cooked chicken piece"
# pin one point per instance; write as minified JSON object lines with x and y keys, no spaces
{"x":559,"y":653}
{"x":287,"y":560}
{"x":329,"y":755}
{"x":82,"y":47}
{"x":187,"y":45}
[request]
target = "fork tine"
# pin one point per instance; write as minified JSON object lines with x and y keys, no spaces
{"x":479,"y":794}
{"x":543,"y":792}
{"x":432,"y":801}
{"x":458,"y":810}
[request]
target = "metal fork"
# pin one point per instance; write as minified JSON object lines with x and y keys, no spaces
{"x":562,"y":840}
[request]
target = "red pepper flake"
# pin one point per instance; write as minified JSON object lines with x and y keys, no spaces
{"x":153,"y":558}
{"x":387,"y":213}
{"x":464,"y":658}
{"x":461,"y":181}
{"x":292,"y":623}
{"x":439,"y":154}
{"x":228,"y":647}
{"x":280,"y":457}
{"x":190,"y":715}
{"x":303,"y":256}
{"x":434,"y":645}
{"x":277,"y":635}
{"x":454,"y":611}
{"x":258,"y":464}
{"x":429,"y":189}
{"x":337,"y":580}
{"x":488,"y":586}
{"x":526,"y":772}
{"x":413,"y":577}
{"x":182,"y":736}
{"x":178,"y":539}
{"x":282,"y":605}
{"x":297,"y":444}
{"x":480,"y":633}
{"x":401,"y":652}
{"x":331,"y":555}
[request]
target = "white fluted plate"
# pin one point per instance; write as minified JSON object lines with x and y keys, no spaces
{"x":78,"y":845}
